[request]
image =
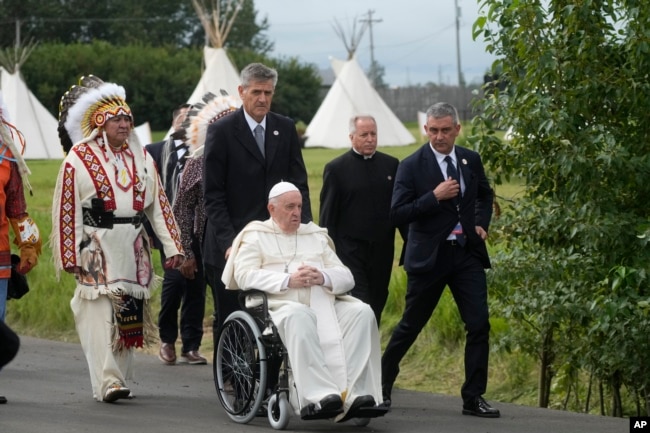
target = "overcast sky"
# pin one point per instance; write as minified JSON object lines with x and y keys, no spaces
{"x":415,"y":41}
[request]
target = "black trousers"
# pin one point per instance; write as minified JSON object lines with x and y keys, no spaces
{"x":225,"y":301}
{"x":9,"y":344}
{"x":371,"y":264}
{"x":465,"y":276}
{"x":187,"y":295}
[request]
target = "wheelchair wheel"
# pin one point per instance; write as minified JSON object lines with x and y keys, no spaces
{"x":240,"y":367}
{"x":279,"y":411}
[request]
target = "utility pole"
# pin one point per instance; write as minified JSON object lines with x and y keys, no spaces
{"x":373,"y":66}
{"x":461,"y":80}
{"x":17,"y":32}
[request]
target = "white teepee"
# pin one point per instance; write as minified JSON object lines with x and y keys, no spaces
{"x":352,"y":94}
{"x":219,"y":72}
{"x":422,"y":123}
{"x":31,"y":118}
{"x":143,"y":132}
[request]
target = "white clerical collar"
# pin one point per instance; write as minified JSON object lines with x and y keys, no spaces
{"x":364,"y":156}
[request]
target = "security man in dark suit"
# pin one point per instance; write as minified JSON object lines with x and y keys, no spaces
{"x":188,"y":294}
{"x":355,"y":207}
{"x":246,"y":153}
{"x":442,"y":192}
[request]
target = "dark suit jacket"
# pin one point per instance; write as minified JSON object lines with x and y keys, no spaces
{"x":356,"y":195}
{"x":156,"y":152}
{"x":431,"y":222}
{"x":237,"y":178}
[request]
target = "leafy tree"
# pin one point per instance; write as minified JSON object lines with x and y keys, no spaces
{"x":247,"y":33}
{"x":156,"y":79}
{"x":122,"y":22}
{"x":115,"y":21}
{"x":159,"y":69}
{"x":376,"y":75}
{"x":571,"y":274}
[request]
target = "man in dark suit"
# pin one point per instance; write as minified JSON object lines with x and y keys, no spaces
{"x":442,"y":192}
{"x":240,"y":169}
{"x":355,"y":206}
{"x":188,"y":294}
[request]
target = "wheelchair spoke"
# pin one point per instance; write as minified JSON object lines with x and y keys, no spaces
{"x":239,"y":366}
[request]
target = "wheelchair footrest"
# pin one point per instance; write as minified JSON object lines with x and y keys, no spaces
{"x":371,"y":412}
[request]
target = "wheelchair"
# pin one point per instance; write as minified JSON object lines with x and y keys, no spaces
{"x":251,"y":367}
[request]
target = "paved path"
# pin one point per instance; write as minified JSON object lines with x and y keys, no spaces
{"x":49,"y":391}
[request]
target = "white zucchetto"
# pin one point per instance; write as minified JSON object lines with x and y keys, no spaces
{"x":281,"y":188}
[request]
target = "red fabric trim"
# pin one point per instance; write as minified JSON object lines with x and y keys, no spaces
{"x":98,"y":175}
{"x":168,"y":217}
{"x":67,"y":218}
{"x":138,"y":194}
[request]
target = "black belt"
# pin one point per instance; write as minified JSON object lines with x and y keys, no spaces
{"x":106,"y":220}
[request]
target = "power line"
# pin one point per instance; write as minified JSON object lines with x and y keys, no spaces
{"x":85,"y":20}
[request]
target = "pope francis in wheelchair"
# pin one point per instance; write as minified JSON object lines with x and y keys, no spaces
{"x":317,"y":351}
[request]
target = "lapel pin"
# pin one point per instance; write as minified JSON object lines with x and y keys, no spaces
{"x":275,"y":132}
{"x":464,"y":161}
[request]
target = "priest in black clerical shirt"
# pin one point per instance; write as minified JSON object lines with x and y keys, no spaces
{"x":354,"y":207}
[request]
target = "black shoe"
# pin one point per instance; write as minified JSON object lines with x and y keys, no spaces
{"x":385,"y":391}
{"x":358,"y":405}
{"x":479,"y":407}
{"x":3,"y":399}
{"x":330,"y":406}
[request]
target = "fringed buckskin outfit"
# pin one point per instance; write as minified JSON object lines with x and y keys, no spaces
{"x":101,"y":199}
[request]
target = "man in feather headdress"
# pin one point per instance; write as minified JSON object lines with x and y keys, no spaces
{"x":13,"y":180}
{"x":107,"y":186}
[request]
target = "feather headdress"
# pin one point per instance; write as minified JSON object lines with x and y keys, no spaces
{"x":86,"y":107}
{"x":202,"y":114}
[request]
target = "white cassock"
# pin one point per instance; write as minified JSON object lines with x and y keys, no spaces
{"x":331,"y":337}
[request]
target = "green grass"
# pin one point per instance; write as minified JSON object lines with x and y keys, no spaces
{"x":434,"y":363}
